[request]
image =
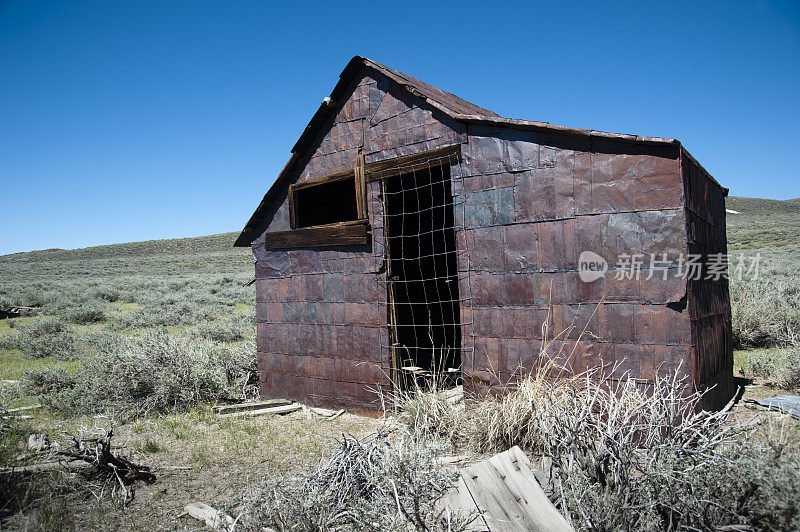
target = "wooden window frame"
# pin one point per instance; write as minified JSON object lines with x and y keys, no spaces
{"x":352,"y":232}
{"x":360,"y":191}
{"x":336,"y":234}
{"x":378,"y":170}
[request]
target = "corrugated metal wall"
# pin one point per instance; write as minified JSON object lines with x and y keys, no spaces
{"x":320,"y":323}
{"x":709,"y":298}
{"x":532,"y":202}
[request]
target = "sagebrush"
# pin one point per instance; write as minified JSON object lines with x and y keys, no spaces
{"x":156,"y":372}
{"x":628,"y":456}
{"x":371,"y":484}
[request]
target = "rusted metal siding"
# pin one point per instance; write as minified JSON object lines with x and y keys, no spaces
{"x":534,"y":202}
{"x":531,"y":201}
{"x":386,"y":122}
{"x":708,"y":298}
{"x":320,"y":323}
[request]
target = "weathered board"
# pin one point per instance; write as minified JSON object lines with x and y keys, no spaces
{"x":319,"y":237}
{"x":505,"y":492}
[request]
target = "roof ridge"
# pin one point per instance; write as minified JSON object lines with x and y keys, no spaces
{"x":448,"y":100}
{"x":456,"y":108}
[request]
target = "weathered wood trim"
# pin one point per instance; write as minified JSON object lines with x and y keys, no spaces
{"x":408,"y":163}
{"x":341,"y":176}
{"x":361,"y":187}
{"x":292,"y":216}
{"x":323,"y":236}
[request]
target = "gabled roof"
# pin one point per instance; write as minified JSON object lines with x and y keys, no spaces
{"x":451,"y":105}
{"x":448,"y":103}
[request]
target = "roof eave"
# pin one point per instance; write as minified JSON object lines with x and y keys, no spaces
{"x":418,"y":88}
{"x":546,"y":126}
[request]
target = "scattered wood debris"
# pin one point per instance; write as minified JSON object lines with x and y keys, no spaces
{"x":322,"y":412}
{"x":506,"y":494}
{"x":15,"y":411}
{"x":50,"y":465}
{"x":262,"y":411}
{"x":273,"y":406}
{"x":103,"y":471}
{"x":241,"y":407}
{"x":15,"y":312}
{"x":38,"y":442}
{"x":96,"y":451}
{"x":212,"y":517}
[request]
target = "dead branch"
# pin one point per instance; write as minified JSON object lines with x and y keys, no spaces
{"x":107,"y":469}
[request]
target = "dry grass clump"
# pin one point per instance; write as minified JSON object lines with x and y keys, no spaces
{"x":630,"y":456}
{"x":152,"y":373}
{"x":369,"y":484}
{"x":430,"y":412}
{"x":232,"y":328}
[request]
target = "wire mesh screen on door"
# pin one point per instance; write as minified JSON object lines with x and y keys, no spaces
{"x":423,"y":283}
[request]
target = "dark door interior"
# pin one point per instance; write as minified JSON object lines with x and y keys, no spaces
{"x":422,"y":265}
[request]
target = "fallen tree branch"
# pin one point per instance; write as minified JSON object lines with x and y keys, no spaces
{"x":105,"y":466}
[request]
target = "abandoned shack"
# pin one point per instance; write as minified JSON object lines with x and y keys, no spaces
{"x":413,"y":229}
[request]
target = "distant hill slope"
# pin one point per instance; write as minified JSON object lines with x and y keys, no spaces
{"x":162,"y":259}
{"x":222,"y":242}
{"x":763,"y":223}
{"x":762,"y":206}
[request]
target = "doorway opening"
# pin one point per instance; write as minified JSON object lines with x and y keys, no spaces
{"x":422,"y":270}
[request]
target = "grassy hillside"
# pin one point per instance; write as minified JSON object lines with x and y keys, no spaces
{"x":89,"y":297}
{"x":152,"y":333}
{"x":761,"y":206}
{"x":763,"y":223}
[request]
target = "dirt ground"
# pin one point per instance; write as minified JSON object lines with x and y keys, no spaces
{"x":200,"y":457}
{"x":223,"y":457}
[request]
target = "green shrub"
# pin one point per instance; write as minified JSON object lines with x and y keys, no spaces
{"x":790,"y":372}
{"x":43,"y":338}
{"x":766,"y":309}
{"x":152,"y":373}
{"x":54,"y":383}
{"x":233,"y":328}
{"x":83,"y":316}
{"x":780,"y":366}
{"x":108,"y":294}
{"x":167,"y":313}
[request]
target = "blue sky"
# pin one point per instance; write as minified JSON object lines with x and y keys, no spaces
{"x":137,"y":120}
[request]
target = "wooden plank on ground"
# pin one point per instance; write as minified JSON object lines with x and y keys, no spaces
{"x":504,"y":487}
{"x":460,"y":499}
{"x":44,"y":466}
{"x":37,"y":406}
{"x":212,"y":517}
{"x":226,"y":409}
{"x":285,"y":409}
